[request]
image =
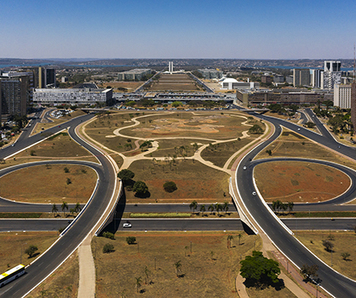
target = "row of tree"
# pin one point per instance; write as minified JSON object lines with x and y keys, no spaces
{"x":278,"y":206}
{"x":77,"y":208}
{"x":212,"y":207}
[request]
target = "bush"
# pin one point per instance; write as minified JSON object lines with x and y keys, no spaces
{"x":108,"y":248}
{"x":109,"y":235}
{"x":130,"y":240}
{"x":170,"y":186}
{"x":31,"y":250}
{"x":256,"y":129}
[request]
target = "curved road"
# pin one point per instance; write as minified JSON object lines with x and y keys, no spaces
{"x":66,"y":244}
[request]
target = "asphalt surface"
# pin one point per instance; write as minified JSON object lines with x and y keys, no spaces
{"x":76,"y":234}
{"x":186,"y":224}
{"x":333,"y":282}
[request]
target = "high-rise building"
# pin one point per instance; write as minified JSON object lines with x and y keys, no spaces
{"x":47,"y":77}
{"x":342,"y":96}
{"x":301,"y":77}
{"x":317,"y":78}
{"x":14,"y":96}
{"x":353,"y":104}
{"x":170,"y":67}
{"x":332,"y":74}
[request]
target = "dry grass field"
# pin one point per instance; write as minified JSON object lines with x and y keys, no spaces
{"x":177,"y":147}
{"x":49,"y":184}
{"x":343,"y":242}
{"x":64,"y":282}
{"x":130,"y":86}
{"x":218,"y":154}
{"x":174,"y":83}
{"x":208,"y":271}
{"x":194,"y":181}
{"x":291,"y":144}
{"x":59,"y":145}
{"x":290,"y":181}
{"x":13,"y":245}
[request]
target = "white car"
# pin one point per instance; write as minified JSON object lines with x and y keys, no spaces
{"x":127,"y":225}
{"x":244,"y":168}
{"x":298,"y":128}
{"x":253,"y":193}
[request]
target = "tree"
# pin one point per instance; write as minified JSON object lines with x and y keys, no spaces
{"x":178,"y":266}
{"x":240,"y":236}
{"x":290,"y":206}
{"x":309,"y":272}
{"x":260,"y":270}
{"x":54,"y":209}
{"x":140,"y":188}
{"x":64,"y":207}
{"x":310,"y":124}
{"x":345,"y":256}
{"x":66,"y":170}
{"x":130,"y":240}
{"x":328,"y":245}
{"x":218,"y":207}
{"x":138,"y":282}
{"x":226,"y":207}
{"x":126,"y":176}
{"x":31,"y":250}
{"x":193,"y":205}
{"x":202,"y":209}
{"x":69,"y":181}
{"x":170,"y":186}
{"x":256,"y":129}
{"x":147,"y":272}
{"x":229,"y":238}
{"x":108,"y":247}
{"x":211,"y":208}
{"x":77,"y":207}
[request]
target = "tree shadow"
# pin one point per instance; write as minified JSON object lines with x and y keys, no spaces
{"x":181,"y":275}
{"x":34,"y":255}
{"x":145,"y":195}
{"x":250,"y":283}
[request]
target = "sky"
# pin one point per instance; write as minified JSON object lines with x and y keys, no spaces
{"x":250,"y":29}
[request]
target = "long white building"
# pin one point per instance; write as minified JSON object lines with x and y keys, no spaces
{"x":342,"y":96}
{"x":73,"y":96}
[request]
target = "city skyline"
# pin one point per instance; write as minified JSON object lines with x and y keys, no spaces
{"x":178,"y":29}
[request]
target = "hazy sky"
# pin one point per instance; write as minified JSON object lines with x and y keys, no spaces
{"x":254,"y":29}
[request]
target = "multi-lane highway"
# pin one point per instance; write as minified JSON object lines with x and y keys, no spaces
{"x":332,"y":281}
{"x":66,"y":244}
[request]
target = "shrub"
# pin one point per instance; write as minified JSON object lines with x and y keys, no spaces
{"x":109,"y":235}
{"x":108,"y":248}
{"x":170,"y":186}
{"x":31,"y":250}
{"x":130,"y":240}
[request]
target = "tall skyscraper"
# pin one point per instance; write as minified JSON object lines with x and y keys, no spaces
{"x":332,"y":74}
{"x":47,"y":77}
{"x":353,"y":104}
{"x":170,"y":67}
{"x":301,"y":77}
{"x":317,"y":78}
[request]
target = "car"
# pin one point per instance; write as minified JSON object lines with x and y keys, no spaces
{"x":253,"y":193}
{"x":127,"y":225}
{"x":298,"y":128}
{"x":244,"y":168}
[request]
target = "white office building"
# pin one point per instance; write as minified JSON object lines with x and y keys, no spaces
{"x":332,"y":74}
{"x":317,"y":78}
{"x":342,"y":96}
{"x":170,"y":67}
{"x":75,"y":96}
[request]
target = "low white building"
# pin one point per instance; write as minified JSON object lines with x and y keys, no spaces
{"x":230,"y":84}
{"x":74,"y":96}
{"x":342,"y":96}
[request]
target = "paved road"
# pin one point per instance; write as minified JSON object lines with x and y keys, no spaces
{"x":163,"y":224}
{"x":66,"y":244}
{"x":33,"y":224}
{"x":331,"y":280}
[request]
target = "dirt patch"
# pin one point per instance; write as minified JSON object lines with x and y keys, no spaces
{"x":291,"y":181}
